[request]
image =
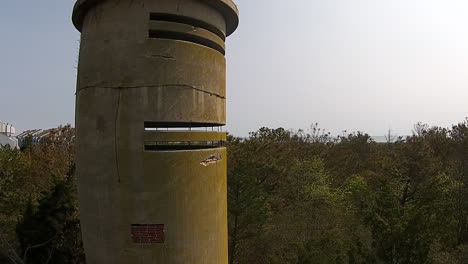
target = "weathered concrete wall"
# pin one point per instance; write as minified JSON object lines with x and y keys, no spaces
{"x":169,"y":69}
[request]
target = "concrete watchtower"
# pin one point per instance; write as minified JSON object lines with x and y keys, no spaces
{"x":150,"y":101}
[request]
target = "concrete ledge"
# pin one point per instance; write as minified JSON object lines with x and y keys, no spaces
{"x":226,"y":7}
{"x":229,"y":11}
{"x":184,"y":136}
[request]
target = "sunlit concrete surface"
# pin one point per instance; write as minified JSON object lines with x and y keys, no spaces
{"x":150,"y":106}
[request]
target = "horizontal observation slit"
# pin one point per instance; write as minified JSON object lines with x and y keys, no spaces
{"x":163,"y":34}
{"x":154,"y":125}
{"x":182,"y":145}
{"x":181,"y":28}
{"x":182,"y":138}
{"x":188,"y":21}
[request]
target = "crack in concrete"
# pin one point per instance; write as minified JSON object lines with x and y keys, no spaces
{"x":163,"y":56}
{"x":178,"y":5}
{"x":152,"y":86}
{"x":116,"y":135}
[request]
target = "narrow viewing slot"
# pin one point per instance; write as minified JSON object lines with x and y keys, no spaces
{"x":188,"y":21}
{"x":162,"y":34}
{"x":186,"y":126}
{"x":180,"y":136}
{"x":183,"y":145}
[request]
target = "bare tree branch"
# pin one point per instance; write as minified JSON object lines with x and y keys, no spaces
{"x":10,"y":252}
{"x":32,"y":247}
{"x":50,"y":256}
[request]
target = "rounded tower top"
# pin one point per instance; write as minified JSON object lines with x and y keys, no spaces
{"x":226,"y":7}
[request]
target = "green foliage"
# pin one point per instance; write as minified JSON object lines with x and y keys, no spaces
{"x":293,"y":198}
{"x":299,"y":198}
{"x":51,"y":233}
{"x":27,"y":178}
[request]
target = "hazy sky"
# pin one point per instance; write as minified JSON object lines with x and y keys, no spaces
{"x":368,"y":65}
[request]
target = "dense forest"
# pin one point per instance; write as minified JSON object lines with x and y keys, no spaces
{"x":300,"y":197}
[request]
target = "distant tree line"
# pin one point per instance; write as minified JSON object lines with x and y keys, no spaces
{"x":293,"y":198}
{"x":304,"y":198}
